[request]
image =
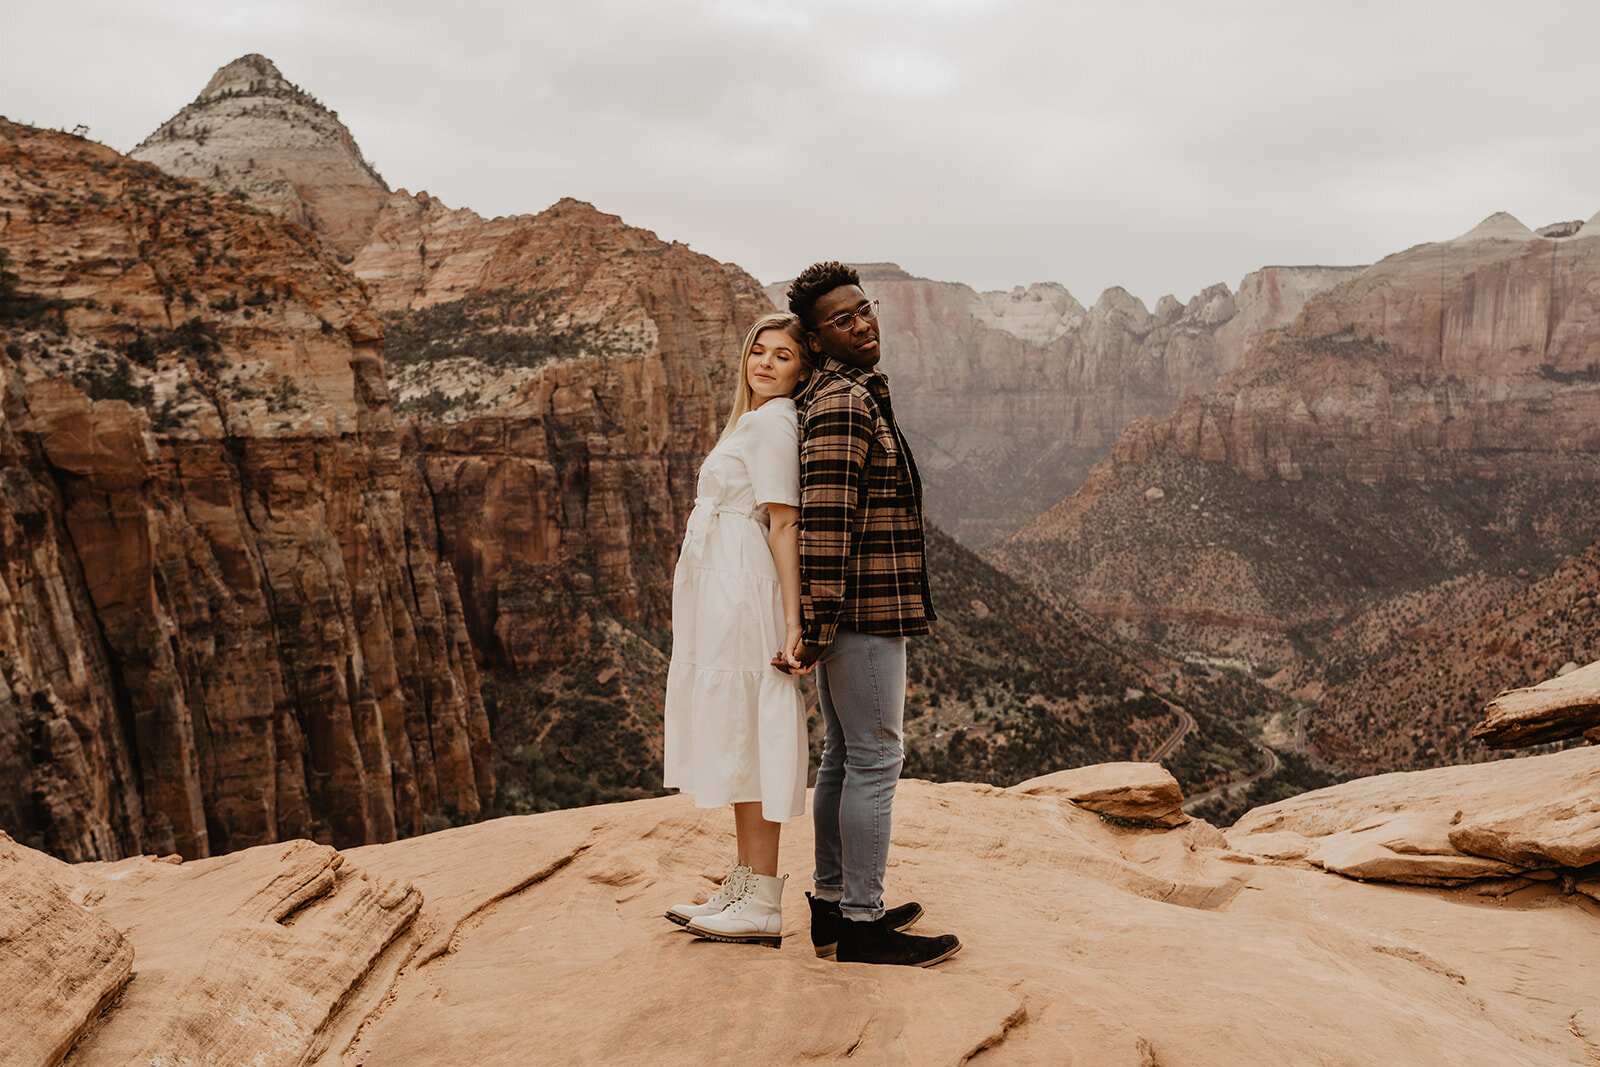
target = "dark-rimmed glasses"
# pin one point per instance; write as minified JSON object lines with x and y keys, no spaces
{"x":845,"y":321}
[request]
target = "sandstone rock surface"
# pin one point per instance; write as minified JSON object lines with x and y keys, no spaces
{"x":1144,"y":792}
{"x":60,"y":965}
{"x":252,"y":965}
{"x":576,"y":465}
{"x":1447,"y":825}
{"x":542,"y":937}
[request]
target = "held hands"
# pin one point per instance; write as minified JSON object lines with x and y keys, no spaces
{"x":797,"y":657}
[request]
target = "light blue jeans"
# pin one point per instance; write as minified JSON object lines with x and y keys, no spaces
{"x":861,"y":686}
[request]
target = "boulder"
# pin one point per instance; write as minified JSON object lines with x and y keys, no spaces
{"x":1567,"y":705}
{"x":1142,"y":792}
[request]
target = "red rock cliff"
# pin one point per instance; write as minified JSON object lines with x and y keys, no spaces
{"x":222,"y":615}
{"x":583,"y":368}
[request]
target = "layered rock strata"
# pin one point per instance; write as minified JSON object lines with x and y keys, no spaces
{"x":1433,"y":415}
{"x":563,"y":372}
{"x":586,"y":367}
{"x":1119,"y":943}
{"x":224,"y":618}
{"x":1141,"y":792}
{"x":551,"y":460}
{"x":62,"y":963}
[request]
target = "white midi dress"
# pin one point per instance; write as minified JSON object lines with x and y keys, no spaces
{"x":735,"y":727}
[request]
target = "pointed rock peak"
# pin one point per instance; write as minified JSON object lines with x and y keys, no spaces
{"x":1052,"y":292}
{"x":571,"y":209}
{"x":1212,"y":306}
{"x":1590,"y":228}
{"x":1501,"y":226}
{"x":1117,"y":298}
{"x":251,"y":131}
{"x":1117,"y":305}
{"x":251,"y":73}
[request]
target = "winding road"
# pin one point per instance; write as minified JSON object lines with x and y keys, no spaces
{"x":1300,"y":727}
{"x":1185,"y":724}
{"x":1243,"y":783}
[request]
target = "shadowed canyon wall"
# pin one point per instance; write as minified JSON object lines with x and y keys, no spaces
{"x":293,"y":580}
{"x":226,"y":621}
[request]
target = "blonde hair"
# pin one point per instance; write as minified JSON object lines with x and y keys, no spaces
{"x":778,"y":320}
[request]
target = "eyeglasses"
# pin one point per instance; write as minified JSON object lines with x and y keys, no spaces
{"x":845,"y":321}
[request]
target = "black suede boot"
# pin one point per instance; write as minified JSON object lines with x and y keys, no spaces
{"x":878,"y":942}
{"x":826,"y":920}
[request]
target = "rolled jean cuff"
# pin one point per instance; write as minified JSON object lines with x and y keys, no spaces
{"x":831,"y":893}
{"x":862,"y":915}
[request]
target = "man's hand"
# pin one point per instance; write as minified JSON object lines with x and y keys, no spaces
{"x":800,"y":661}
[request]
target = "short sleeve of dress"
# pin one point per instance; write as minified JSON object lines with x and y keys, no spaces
{"x":772,"y":455}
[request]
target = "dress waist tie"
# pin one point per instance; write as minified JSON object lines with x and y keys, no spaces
{"x":694,"y":541}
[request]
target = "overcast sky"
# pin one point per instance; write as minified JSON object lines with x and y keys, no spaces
{"x":1160,"y":146}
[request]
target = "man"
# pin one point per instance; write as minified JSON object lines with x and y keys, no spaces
{"x":864,"y":591}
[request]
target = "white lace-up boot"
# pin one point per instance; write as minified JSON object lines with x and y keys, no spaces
{"x":727,"y":893}
{"x":757,"y":914}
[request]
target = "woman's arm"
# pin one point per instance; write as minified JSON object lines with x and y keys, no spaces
{"x":783,"y":537}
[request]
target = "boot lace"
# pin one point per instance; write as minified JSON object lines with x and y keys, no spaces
{"x":746,"y":892}
{"x":726,"y":893}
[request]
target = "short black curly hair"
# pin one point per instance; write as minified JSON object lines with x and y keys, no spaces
{"x":813,"y":282}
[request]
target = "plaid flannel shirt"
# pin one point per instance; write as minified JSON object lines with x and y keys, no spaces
{"x":863,"y":563}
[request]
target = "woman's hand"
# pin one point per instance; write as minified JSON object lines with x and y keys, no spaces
{"x":792,"y":643}
{"x":796,"y":657}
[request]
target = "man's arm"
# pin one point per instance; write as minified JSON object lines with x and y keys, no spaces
{"x":833,"y":463}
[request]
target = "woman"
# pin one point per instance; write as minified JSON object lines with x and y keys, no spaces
{"x":735,"y":726}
